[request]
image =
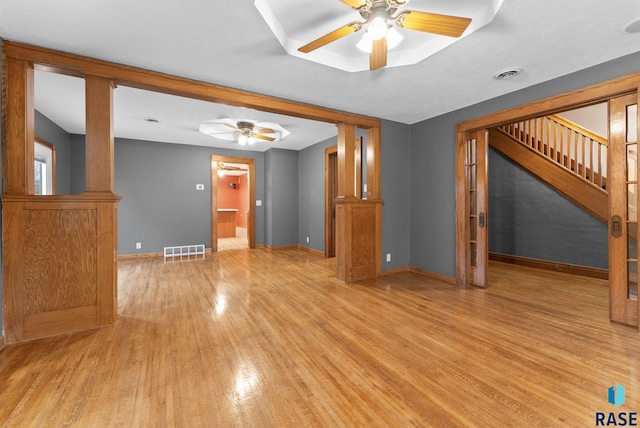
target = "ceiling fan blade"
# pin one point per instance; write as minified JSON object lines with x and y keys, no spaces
{"x":331,"y":37}
{"x":263,"y":137}
{"x":354,"y":3}
{"x":446,"y":25}
{"x":264,"y":131}
{"x":378,"y":56}
{"x":232,"y":127}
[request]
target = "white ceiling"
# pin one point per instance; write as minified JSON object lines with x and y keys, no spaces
{"x":343,"y":53}
{"x":61,"y":99}
{"x":230,"y":44}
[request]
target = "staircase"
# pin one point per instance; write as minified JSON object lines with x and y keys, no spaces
{"x":565,"y":155}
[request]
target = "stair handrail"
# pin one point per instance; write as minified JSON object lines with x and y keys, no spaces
{"x":565,"y":143}
{"x":581,"y":129}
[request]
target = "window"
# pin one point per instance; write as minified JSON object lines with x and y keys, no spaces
{"x":44,"y":168}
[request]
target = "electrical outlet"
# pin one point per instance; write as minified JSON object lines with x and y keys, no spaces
{"x":388,"y":257}
{"x":307,"y":239}
{"x":138,"y":245}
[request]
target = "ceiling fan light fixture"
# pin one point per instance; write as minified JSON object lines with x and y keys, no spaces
{"x":393,"y":39}
{"x":378,"y":24}
{"x":243,"y":131}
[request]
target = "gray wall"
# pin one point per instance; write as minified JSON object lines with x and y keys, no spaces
{"x":433,"y":162}
{"x":77,"y":167}
{"x":160,"y":204}
{"x":311,"y":196}
{"x":395,"y":191}
{"x":530,"y":219}
{"x":52,"y":133}
{"x":281,"y":197}
{"x":396,"y":187}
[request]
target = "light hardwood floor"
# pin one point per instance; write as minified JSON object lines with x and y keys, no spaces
{"x":260,"y":339}
{"x":239,"y":242}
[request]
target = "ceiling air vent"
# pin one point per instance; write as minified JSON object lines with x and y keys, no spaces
{"x":507,"y":73}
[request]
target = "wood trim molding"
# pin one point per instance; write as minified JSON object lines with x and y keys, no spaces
{"x":329,"y":174}
{"x":395,"y":270}
{"x":251,"y":221}
{"x":51,"y":147}
{"x":434,"y":275}
{"x":18,"y":119}
{"x":146,"y":256}
{"x":572,"y":269}
{"x":462,"y":226}
{"x":70,"y":64}
{"x":2,"y":343}
{"x":311,"y":250}
{"x":100,"y":162}
{"x":373,"y":164}
{"x":140,"y":256}
{"x":582,"y":97}
{"x":346,"y":161}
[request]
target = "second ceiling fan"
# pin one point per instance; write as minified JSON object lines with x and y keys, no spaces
{"x":380,"y":34}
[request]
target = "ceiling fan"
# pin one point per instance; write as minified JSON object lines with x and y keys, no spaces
{"x":380,"y":35}
{"x":245,"y":132}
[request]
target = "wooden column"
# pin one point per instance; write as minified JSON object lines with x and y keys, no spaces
{"x":358,"y":221}
{"x":18,"y":128}
{"x":99,"y":137}
{"x":373,"y":163}
{"x":100,"y":165}
{"x":346,"y":161}
{"x":59,"y":251}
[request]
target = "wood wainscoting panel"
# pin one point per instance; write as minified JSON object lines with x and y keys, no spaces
{"x":358,"y":231}
{"x":60,"y":259}
{"x":363,"y":250}
{"x":59,"y":264}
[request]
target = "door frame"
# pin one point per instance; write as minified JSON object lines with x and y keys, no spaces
{"x":330,"y":182}
{"x":594,"y":94}
{"x":251,"y":221}
{"x":622,"y":308}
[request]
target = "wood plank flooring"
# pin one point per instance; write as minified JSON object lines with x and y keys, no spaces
{"x":239,"y":242}
{"x":270,"y":339}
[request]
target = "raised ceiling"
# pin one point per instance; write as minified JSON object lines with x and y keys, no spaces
{"x":296,"y":23}
{"x":230,"y":44}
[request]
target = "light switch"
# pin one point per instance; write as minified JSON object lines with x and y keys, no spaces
{"x":199,"y":186}
{"x":258,"y":203}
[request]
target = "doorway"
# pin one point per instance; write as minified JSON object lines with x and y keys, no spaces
{"x":623,"y":300}
{"x":330,"y":192}
{"x":227,"y":220}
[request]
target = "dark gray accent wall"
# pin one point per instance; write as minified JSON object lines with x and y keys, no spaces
{"x":281,"y":197}
{"x":311,"y":194}
{"x":160,"y":204}
{"x":530,"y":219}
{"x":52,"y":133}
{"x":395,"y":148}
{"x":78,"y":164}
{"x":433,"y":161}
